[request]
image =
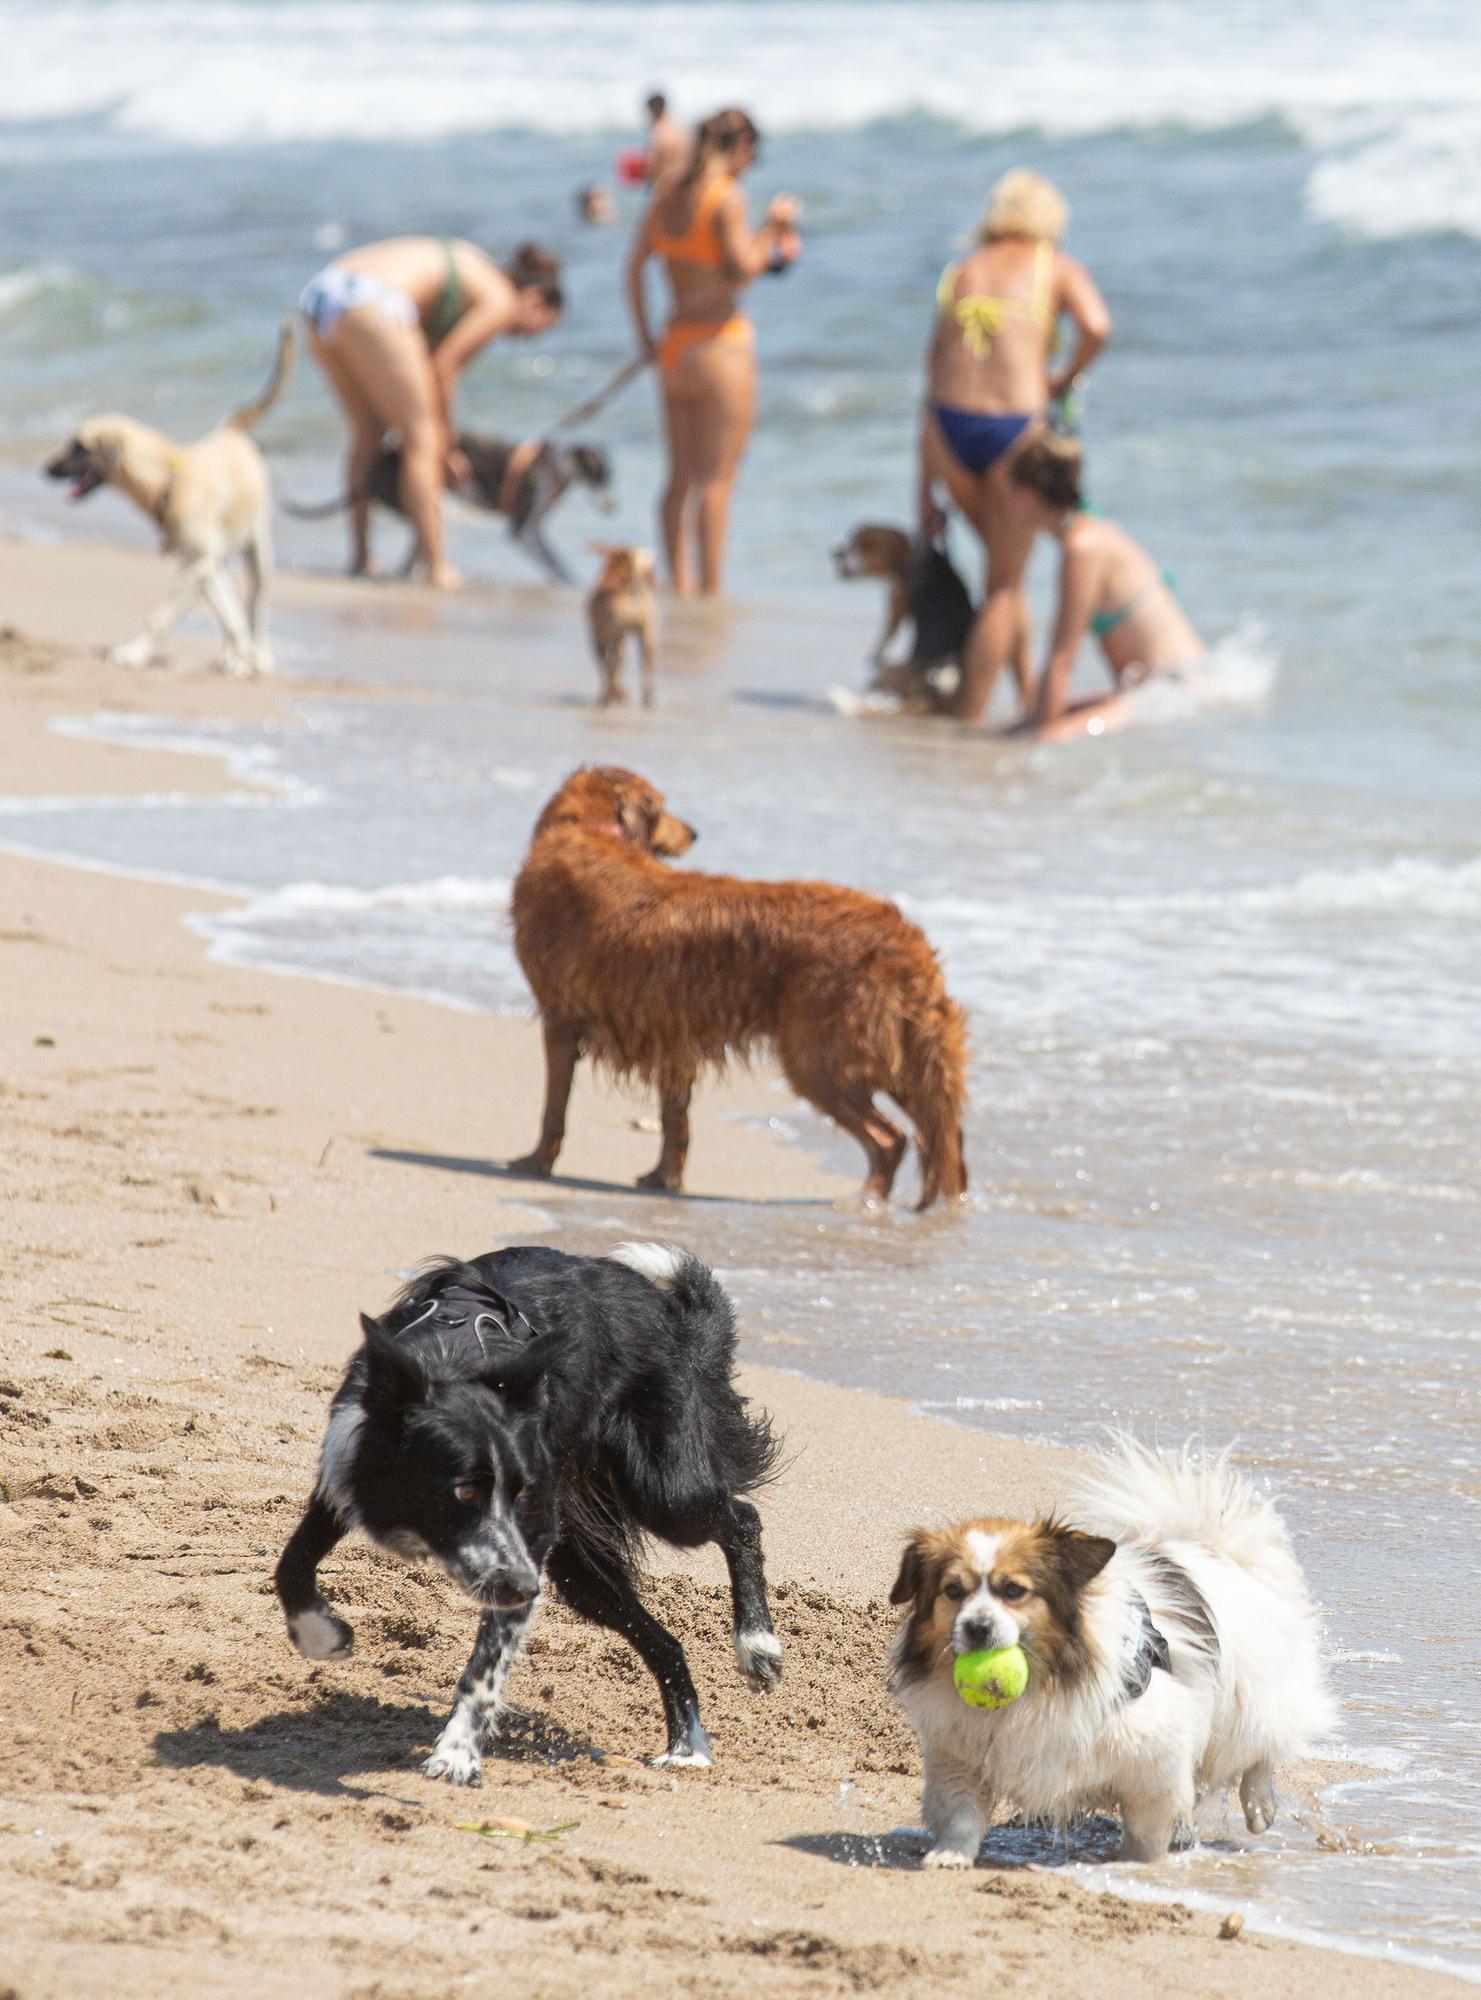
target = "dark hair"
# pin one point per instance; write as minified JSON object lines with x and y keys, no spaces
{"x":1051,"y":468}
{"x":534,"y":268}
{"x":719,"y":134}
{"x":657,"y":104}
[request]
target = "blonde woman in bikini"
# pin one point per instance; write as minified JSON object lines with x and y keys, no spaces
{"x":696,"y":227}
{"x":988,"y":386}
{"x":393,"y":325}
{"x":1108,"y":585}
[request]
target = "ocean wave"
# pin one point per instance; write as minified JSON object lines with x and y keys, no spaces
{"x":447,"y":895}
{"x":22,"y":288}
{"x":1407,"y":86}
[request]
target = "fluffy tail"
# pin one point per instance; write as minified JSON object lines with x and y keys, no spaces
{"x":1137,"y":1495}
{"x":744,"y":1449}
{"x":253,"y":413}
{"x":932,"y":1087}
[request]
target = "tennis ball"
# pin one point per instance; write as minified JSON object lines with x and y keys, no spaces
{"x":993,"y":1679}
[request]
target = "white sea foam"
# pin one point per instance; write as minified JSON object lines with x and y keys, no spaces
{"x":32,"y":281}
{"x":447,"y":895}
{"x":1406,"y":84}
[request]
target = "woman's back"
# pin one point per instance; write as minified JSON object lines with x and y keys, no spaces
{"x":995,"y":325}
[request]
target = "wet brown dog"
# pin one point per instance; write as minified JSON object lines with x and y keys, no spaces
{"x":659,"y":973}
{"x":623,"y":605}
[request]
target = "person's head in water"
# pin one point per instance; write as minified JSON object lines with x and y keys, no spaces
{"x":595,"y":204}
{"x":657,"y":106}
{"x":1047,"y":478}
{"x":1024,"y":204}
{"x":535,"y":274}
{"x":729,"y":138}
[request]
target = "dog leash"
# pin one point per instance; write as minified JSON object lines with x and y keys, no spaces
{"x":603,"y":396}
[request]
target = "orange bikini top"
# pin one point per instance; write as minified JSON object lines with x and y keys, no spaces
{"x":700,"y":243}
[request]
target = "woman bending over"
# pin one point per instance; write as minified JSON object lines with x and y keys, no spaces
{"x":393,"y":325}
{"x":1108,"y":585}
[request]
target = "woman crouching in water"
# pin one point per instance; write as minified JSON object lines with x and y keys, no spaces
{"x":696,"y":227}
{"x":393,"y":325}
{"x":1109,"y":585}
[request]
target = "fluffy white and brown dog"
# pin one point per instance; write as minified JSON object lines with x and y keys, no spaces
{"x":1172,"y":1652}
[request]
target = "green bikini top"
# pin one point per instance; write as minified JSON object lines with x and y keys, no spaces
{"x":447,"y":309}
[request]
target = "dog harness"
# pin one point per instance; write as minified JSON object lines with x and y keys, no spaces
{"x":1145,"y":1649}
{"x":461,"y":1306}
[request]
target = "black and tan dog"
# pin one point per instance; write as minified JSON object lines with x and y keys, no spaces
{"x":924,"y":590}
{"x":521,"y":481}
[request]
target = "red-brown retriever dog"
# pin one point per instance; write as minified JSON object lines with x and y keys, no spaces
{"x":659,"y":974}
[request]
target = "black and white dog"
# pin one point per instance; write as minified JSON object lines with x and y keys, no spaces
{"x":521,"y":481}
{"x":536,"y":1413}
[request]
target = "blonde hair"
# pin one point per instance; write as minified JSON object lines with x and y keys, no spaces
{"x":1024,"y":204}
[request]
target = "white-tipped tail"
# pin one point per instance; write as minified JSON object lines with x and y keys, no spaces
{"x":659,"y":1263}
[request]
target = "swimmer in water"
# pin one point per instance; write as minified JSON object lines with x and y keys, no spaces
{"x":669,"y":145}
{"x":1109,"y":585}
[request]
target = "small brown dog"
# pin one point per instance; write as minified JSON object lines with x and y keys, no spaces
{"x":659,"y":974}
{"x":623,"y":605}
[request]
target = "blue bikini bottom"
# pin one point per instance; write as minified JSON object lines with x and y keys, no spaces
{"x":976,"y":440}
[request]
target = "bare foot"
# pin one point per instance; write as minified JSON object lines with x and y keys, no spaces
{"x":445,"y":577}
{"x":658,"y":1182}
{"x":367,"y":567}
{"x":537,"y":1164}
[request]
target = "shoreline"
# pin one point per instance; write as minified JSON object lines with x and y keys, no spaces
{"x":178,"y":1378}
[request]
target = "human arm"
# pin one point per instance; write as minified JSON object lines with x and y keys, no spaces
{"x":487,"y":316}
{"x":1078,"y":296}
{"x":637,"y":303}
{"x":1077,"y":588}
{"x":748,"y":252}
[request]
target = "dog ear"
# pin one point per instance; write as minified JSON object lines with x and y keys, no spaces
{"x":907,"y":1584}
{"x":518,"y":1375}
{"x":1078,"y":1557}
{"x":393,"y":1376}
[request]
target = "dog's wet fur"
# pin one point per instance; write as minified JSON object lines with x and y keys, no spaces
{"x":532,"y":1415}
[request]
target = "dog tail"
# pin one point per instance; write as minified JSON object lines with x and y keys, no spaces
{"x":741,"y":1439}
{"x":253,"y":413}
{"x":932,"y":1086}
{"x":1135,"y":1494}
{"x":317,"y":510}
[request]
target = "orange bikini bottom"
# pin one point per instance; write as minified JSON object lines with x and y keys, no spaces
{"x":682,"y":334}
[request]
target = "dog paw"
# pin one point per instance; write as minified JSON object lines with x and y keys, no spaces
{"x":687,"y":1756}
{"x":947,"y":1857}
{"x":1259,"y":1814}
{"x":759,"y":1657}
{"x":319,"y":1635}
{"x":132,"y":653}
{"x":459,"y":1764}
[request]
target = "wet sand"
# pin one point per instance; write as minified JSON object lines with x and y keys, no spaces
{"x":208,"y":1170}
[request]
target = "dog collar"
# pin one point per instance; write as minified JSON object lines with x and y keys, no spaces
{"x":1145,"y":1649}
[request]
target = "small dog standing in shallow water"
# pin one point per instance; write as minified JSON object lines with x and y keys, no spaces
{"x":660,"y":973}
{"x":623,"y":605}
{"x":210,"y":501}
{"x":1170,"y":1656}
{"x":532,"y":1413}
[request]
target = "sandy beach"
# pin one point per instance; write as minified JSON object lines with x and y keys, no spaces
{"x":208,"y":1170}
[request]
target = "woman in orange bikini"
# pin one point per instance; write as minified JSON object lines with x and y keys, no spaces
{"x":392,"y":326}
{"x":988,"y":385}
{"x":696,"y":226}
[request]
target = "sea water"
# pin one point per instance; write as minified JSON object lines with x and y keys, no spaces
{"x":1221,"y":970}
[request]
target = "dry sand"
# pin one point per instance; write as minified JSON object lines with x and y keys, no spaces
{"x":206,"y":1171}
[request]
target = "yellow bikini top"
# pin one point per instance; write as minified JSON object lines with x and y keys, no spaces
{"x":981,"y":317}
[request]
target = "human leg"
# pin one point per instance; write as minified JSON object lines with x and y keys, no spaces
{"x":391,"y":369}
{"x":723,"y":373}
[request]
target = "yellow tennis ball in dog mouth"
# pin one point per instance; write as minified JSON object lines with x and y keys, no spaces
{"x":991,"y":1679}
